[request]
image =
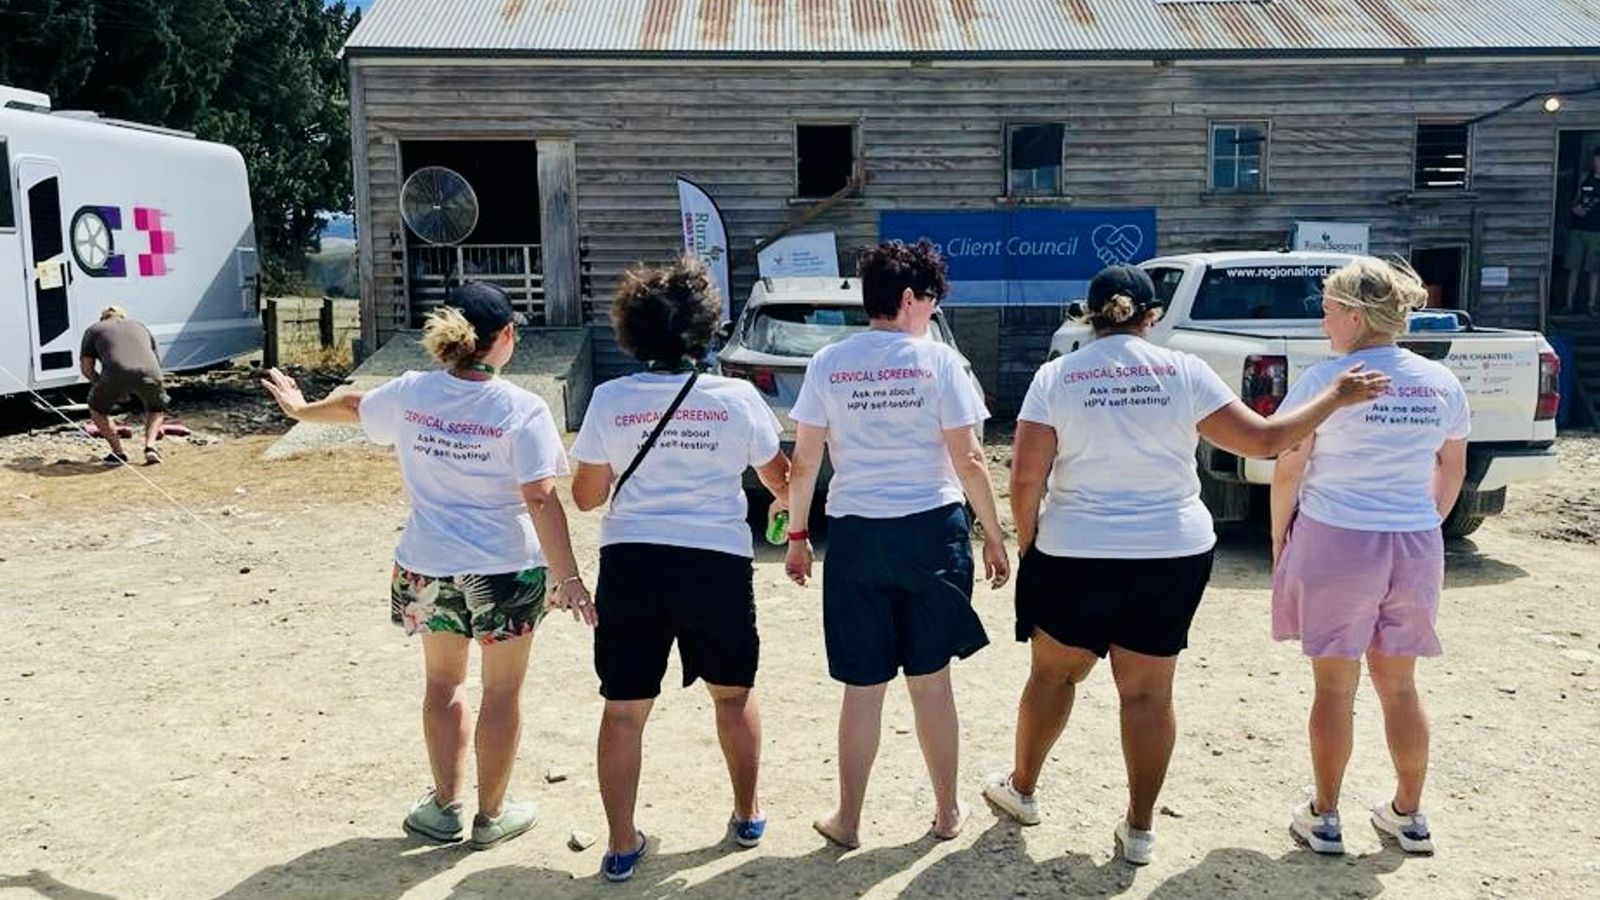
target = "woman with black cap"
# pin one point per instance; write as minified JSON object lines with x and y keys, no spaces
{"x":1116,"y":544}
{"x":486,"y":535}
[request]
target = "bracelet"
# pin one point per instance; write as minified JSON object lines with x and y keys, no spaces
{"x":568,"y":580}
{"x":801,"y":535}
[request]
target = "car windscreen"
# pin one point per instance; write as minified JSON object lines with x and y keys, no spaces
{"x":1261,"y":292}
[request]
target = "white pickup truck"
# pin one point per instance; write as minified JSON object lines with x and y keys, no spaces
{"x":1255,"y":319}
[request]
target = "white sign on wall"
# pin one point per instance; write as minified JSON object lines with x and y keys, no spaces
{"x":1495,"y":276}
{"x":799,"y":256}
{"x":1332,"y":237}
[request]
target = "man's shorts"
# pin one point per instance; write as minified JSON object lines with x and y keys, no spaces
{"x":1142,"y":605}
{"x":486,"y":608}
{"x":650,"y":595}
{"x":1583,"y":250}
{"x":1342,"y":592}
{"x":897,"y":595}
{"x":111,"y":388}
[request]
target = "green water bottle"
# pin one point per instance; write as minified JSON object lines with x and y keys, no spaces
{"x":778,"y":528}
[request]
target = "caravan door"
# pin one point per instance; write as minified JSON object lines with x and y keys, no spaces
{"x":53,"y":337}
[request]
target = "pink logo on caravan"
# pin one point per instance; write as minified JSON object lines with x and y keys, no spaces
{"x":162,"y":243}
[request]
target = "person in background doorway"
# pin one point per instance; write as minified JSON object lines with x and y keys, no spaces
{"x":1583,"y":239}
{"x":128,"y":367}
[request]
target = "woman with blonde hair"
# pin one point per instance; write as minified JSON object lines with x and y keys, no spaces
{"x":1358,"y":556}
{"x":486,"y":536}
{"x":1116,"y":544}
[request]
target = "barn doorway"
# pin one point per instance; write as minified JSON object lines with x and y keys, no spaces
{"x":471,"y":211}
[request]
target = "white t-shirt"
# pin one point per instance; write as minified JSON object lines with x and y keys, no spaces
{"x":689,"y":490}
{"x":465,"y":448}
{"x":1372,"y":465}
{"x":887,"y":398}
{"x":1123,"y":484}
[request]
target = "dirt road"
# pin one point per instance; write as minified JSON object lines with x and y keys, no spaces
{"x":222,"y":709}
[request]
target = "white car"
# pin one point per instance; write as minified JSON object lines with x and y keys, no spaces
{"x":1254,"y":319}
{"x":784,"y":323}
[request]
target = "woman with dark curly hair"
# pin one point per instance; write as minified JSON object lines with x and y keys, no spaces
{"x":670,"y":446}
{"x":897,"y":413}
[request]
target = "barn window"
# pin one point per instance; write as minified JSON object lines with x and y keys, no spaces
{"x":1239,"y":157}
{"x":8,"y":215}
{"x":824,"y":159}
{"x":1034,"y":156}
{"x":1442,"y":156}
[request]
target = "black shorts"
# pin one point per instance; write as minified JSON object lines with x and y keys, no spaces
{"x":1143,"y":605}
{"x":652,"y":594}
{"x":897,"y":594}
{"x":111,"y":388}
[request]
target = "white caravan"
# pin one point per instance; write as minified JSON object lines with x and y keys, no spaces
{"x":96,"y":212}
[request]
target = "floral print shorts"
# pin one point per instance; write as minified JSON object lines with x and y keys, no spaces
{"x":488,"y":608}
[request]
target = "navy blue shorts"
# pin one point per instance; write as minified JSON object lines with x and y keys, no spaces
{"x":897,"y":595}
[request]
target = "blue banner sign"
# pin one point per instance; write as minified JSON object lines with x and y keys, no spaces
{"x":1026,"y":256}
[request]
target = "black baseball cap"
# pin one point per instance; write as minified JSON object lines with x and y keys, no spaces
{"x":485,"y":306}
{"x":1129,"y":281}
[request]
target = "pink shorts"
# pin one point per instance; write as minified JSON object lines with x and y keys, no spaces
{"x":1343,"y":592}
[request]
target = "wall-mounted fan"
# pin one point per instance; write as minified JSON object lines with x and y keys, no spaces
{"x":439,"y":205}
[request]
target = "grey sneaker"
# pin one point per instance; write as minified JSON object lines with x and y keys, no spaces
{"x":430,"y":820}
{"x":515,"y":818}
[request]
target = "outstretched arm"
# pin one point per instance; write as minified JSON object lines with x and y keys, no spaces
{"x":338,"y":409}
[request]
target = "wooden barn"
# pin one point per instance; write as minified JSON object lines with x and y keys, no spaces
{"x":1453,"y":134}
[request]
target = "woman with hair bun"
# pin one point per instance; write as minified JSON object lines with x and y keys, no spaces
{"x":486,"y":535}
{"x":1116,"y":544}
{"x":669,"y":447}
{"x":1358,"y":556}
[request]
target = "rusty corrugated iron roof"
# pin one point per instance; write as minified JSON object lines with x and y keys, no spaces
{"x":976,"y":28}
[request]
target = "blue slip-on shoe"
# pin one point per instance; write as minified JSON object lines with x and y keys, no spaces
{"x":618,"y":867}
{"x":748,"y":832}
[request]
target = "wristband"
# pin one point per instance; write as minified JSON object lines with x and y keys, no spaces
{"x":568,"y":580}
{"x":801,"y":535}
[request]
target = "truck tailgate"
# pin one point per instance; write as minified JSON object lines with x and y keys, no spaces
{"x":1498,"y":370}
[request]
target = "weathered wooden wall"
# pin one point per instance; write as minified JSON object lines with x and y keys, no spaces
{"x":1341,"y":148}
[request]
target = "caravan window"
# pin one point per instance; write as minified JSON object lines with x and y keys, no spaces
{"x":8,"y":213}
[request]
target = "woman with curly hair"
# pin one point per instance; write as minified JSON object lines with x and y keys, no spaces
{"x":1116,"y":544}
{"x":898,"y":414}
{"x":486,"y":535}
{"x":669,"y":447}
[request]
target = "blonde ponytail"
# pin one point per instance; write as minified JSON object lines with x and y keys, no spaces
{"x":449,"y":338}
{"x":1384,"y":292}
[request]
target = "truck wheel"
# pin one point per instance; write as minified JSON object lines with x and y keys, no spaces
{"x":1464,"y":519}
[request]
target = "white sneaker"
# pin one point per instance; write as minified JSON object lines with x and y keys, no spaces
{"x":1133,"y":845}
{"x":516,"y":817}
{"x":1319,"y":831}
{"x":1410,"y":830}
{"x":997,"y":789}
{"x":430,"y":820}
